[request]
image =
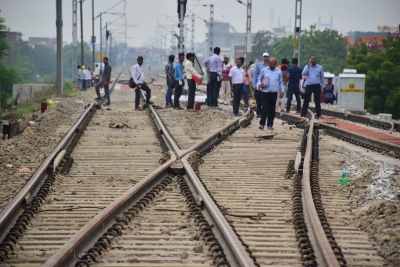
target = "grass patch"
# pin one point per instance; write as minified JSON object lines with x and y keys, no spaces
{"x":69,"y":91}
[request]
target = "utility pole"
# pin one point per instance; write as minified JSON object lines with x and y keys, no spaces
{"x":193,"y":32}
{"x":211,"y":28}
{"x":106,"y":39}
{"x":248,"y":32}
{"x":297,"y":30}
{"x":110,"y":44}
{"x":59,"y":25}
{"x":82,"y":61}
{"x":101,"y":44}
{"x":93,"y":37}
{"x":185,"y":36}
{"x":74,"y":36}
{"x":181,"y":12}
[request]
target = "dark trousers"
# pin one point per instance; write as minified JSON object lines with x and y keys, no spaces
{"x":145,"y":88}
{"x":237,"y":95}
{"x":289,"y":95}
{"x":168,"y":97}
{"x":191,"y":93}
{"x":84,"y":85}
{"x":215,"y":86}
{"x":268,"y":101}
{"x":106,"y":91}
{"x":257,"y":95}
{"x":329,"y":100}
{"x":178,"y":93}
{"x":316,"y":90}
{"x":209,"y":94}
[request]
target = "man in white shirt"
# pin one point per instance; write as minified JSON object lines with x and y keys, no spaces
{"x":84,"y":80}
{"x":236,"y":77}
{"x":97,"y":73}
{"x":79,"y":78}
{"x":138,"y":77}
{"x":190,"y":71}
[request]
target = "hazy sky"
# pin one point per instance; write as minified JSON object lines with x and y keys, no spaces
{"x":37,"y":17}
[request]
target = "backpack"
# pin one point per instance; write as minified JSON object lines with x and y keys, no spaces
{"x":171,"y":82}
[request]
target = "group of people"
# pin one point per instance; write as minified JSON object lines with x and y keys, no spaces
{"x":271,"y":83}
{"x":85,"y":77}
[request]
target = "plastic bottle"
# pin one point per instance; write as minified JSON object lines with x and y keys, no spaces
{"x":341,"y":173}
{"x":343,"y":181}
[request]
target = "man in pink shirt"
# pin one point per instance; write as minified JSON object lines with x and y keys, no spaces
{"x":225,"y":86}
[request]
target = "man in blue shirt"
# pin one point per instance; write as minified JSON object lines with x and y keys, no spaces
{"x":314,"y":85}
{"x":105,"y":77}
{"x":292,"y":80}
{"x":180,"y":80}
{"x":257,"y":93}
{"x":270,"y":83}
{"x":214,"y":65}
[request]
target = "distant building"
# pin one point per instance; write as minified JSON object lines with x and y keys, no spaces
{"x":280,"y":33}
{"x":44,"y":41}
{"x":373,"y":40}
{"x":13,"y":37}
{"x":225,"y":35}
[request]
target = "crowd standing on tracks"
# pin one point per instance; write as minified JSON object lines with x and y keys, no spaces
{"x":265,"y":81}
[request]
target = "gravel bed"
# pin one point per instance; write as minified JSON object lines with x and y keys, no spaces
{"x":374,"y":198}
{"x":35,"y":143}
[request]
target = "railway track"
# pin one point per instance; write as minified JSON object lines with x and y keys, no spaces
{"x":229,"y":198}
{"x":380,"y":124}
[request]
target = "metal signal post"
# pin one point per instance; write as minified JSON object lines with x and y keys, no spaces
{"x":297,"y":30}
{"x":181,"y":13}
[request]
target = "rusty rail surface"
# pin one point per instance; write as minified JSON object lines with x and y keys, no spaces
{"x":14,"y":209}
{"x":378,"y":123}
{"x":317,"y":231}
{"x":88,"y":235}
{"x":94,"y":229}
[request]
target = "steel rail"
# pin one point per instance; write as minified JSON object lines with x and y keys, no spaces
{"x":317,"y":231}
{"x":359,"y":118}
{"x":90,"y":232}
{"x":87,"y":236}
{"x":361,"y":138}
{"x":14,"y":209}
{"x":233,"y":248}
{"x":215,"y":135}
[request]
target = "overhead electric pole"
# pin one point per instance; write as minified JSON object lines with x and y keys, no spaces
{"x":211,"y":37}
{"x":193,"y":32}
{"x":59,"y":25}
{"x":181,"y":12}
{"x":248,"y":32}
{"x":74,"y":37}
{"x":297,"y":30}
{"x":93,"y":37}
{"x":82,"y":61}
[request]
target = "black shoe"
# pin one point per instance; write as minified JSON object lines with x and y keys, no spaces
{"x":98,"y":98}
{"x":107,"y":104}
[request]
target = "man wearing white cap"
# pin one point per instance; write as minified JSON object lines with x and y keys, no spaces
{"x":257,"y":91}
